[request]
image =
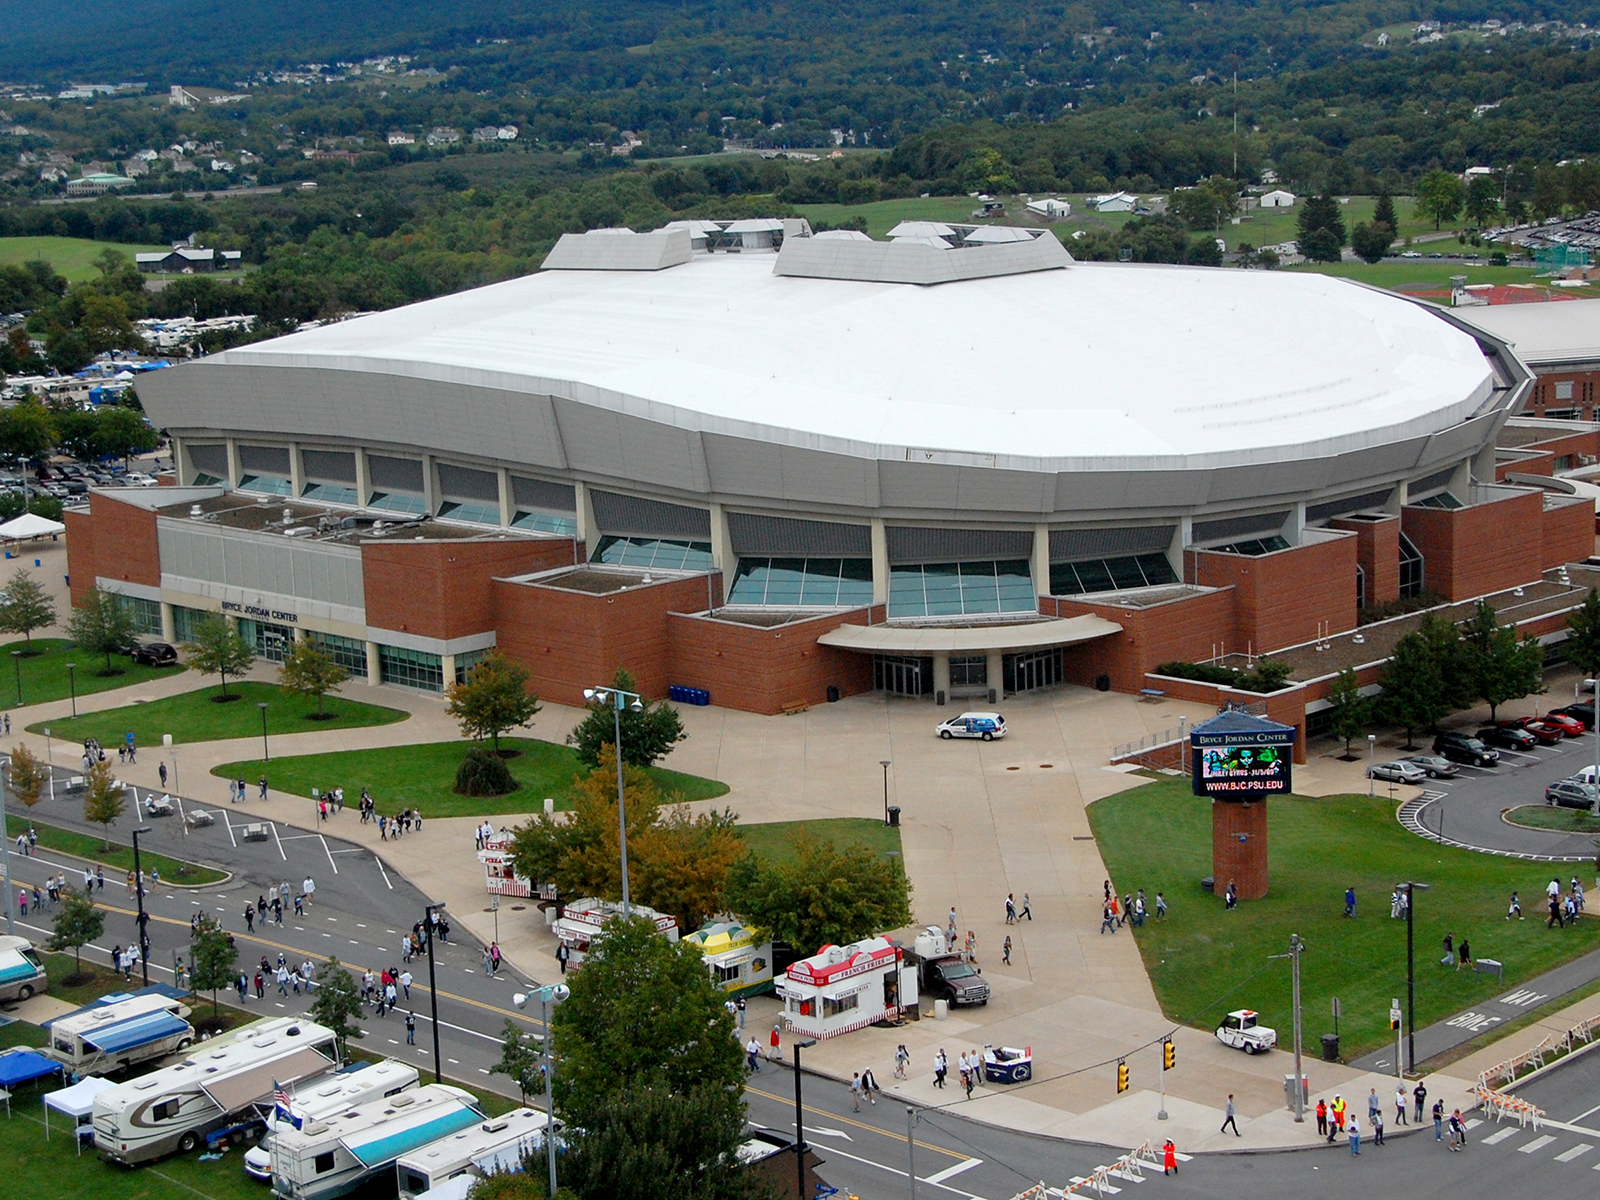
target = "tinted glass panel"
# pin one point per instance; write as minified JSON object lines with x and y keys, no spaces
{"x":654,"y":552}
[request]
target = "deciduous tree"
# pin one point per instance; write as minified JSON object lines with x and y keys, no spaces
{"x":1371,"y":240}
{"x":647,"y":735}
{"x":335,"y":1002}
{"x":217,"y":649}
{"x":1582,"y":646}
{"x":1439,"y":197}
{"x":826,"y":894}
{"x":25,"y":606}
{"x":212,"y":957}
{"x":1481,"y":202}
{"x":1351,"y":710}
{"x":29,"y":776}
{"x":1501,"y":666}
{"x":308,"y":670}
{"x":101,"y":625}
{"x":494,"y":699}
{"x":103,"y":798}
{"x":521,"y":1060}
{"x":1413,"y":686}
{"x":78,"y":922}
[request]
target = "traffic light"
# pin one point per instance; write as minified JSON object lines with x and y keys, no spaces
{"x":1169,"y":1055}
{"x":1122,"y":1077}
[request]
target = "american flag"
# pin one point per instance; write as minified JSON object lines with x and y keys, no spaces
{"x":283,"y":1105}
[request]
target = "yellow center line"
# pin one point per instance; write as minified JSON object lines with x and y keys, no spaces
{"x":858,"y":1124}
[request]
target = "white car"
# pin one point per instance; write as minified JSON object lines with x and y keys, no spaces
{"x":985,"y":725}
{"x":1411,"y":254}
{"x":1398,"y":772}
{"x":140,"y":479}
{"x":1239,"y":1030}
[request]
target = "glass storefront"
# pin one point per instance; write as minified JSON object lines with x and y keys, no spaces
{"x":961,"y":589}
{"x":411,"y":668}
{"x":349,"y":653}
{"x":819,"y":582}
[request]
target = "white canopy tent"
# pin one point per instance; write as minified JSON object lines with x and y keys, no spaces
{"x":76,"y":1102}
{"x":30,"y":525}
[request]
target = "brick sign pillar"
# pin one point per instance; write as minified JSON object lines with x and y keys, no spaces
{"x":1237,"y":761}
{"x":1239,"y":846}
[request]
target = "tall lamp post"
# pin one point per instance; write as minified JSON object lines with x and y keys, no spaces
{"x":1411,"y":973}
{"x":5,"y":849}
{"x":551,"y":994}
{"x":16,"y":658}
{"x":800,"y":1120}
{"x":429,"y":922}
{"x":884,"y":763}
{"x":144,"y":917}
{"x":72,"y":682}
{"x":265,"y":756}
{"x":634,"y":702}
{"x":1372,"y":752}
{"x":49,"y":771}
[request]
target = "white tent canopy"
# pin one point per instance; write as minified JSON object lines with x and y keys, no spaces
{"x":30,"y":525}
{"x":76,"y":1102}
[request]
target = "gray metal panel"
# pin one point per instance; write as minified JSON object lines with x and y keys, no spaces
{"x":619,"y":514}
{"x":1431,"y":483}
{"x":1074,"y":545}
{"x":914,"y":262}
{"x":395,"y":474}
{"x":329,"y":466}
{"x":919,"y":487}
{"x":606,"y":251}
{"x":316,"y":571}
{"x":1268,"y":481}
{"x":610,"y":445}
{"x":542,"y":495}
{"x":910,"y":544}
{"x":755,"y":535}
{"x":1255,"y":525}
{"x":273,"y":460}
{"x":1348,"y":504}
{"x":985,"y":489}
{"x":465,"y":483}
{"x":212,"y":458}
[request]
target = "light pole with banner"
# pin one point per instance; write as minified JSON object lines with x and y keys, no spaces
{"x":5,"y":848}
{"x":634,"y":702}
{"x":884,"y":763}
{"x":144,"y":917}
{"x":1411,"y":971}
{"x":49,"y":771}
{"x":551,"y":994}
{"x":494,"y":907}
{"x":430,"y":923}
{"x":72,"y":682}
{"x":265,"y":754}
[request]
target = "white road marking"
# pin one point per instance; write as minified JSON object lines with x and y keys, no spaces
{"x":834,"y":1151}
{"x":379,"y":861}
{"x":273,"y":825}
{"x":1577,"y":1151}
{"x":1538,"y":1143}
{"x":1494,"y":1139}
{"x":951,"y":1172}
{"x":1474,"y":1122}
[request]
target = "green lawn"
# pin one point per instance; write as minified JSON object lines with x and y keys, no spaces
{"x":45,"y":676}
{"x":71,"y":257}
{"x":423,"y":776}
{"x":1563,"y":820}
{"x":774,"y":840}
{"x":1420,"y":274}
{"x":196,"y":717}
{"x":1204,"y":961}
{"x":120,"y":857}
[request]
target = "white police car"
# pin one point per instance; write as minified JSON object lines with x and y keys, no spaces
{"x":985,"y":725}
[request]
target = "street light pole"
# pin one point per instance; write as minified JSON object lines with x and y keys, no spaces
{"x":16,"y":658}
{"x":616,"y":698}
{"x":144,"y":917}
{"x":429,"y":922}
{"x":49,"y":771}
{"x":550,"y":994}
{"x":1295,"y":946}
{"x":799,"y":1122}
{"x":265,"y":755}
{"x":5,"y":849}
{"x":72,"y":682}
{"x":884,"y":763}
{"x":1411,"y":970}
{"x":911,"y":1150}
{"x":1372,"y":751}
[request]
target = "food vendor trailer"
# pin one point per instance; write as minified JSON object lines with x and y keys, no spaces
{"x":581,"y":921}
{"x":841,"y":988}
{"x":500,"y":875}
{"x":738,"y":957}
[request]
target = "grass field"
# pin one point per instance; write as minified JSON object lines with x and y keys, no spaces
{"x":1563,"y":820}
{"x":1205,"y":961}
{"x":193,"y":717}
{"x":1420,"y":274}
{"x":774,"y":841}
{"x":71,"y":257}
{"x":45,"y":676}
{"x":118,"y":859}
{"x":423,"y":776}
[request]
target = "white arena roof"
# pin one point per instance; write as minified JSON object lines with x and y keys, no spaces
{"x":1555,"y":332}
{"x":1068,"y":369}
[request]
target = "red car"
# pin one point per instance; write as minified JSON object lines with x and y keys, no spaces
{"x":1549,"y":735}
{"x":1568,"y":725}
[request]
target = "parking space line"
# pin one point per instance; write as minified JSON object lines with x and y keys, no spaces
{"x":273,"y":825}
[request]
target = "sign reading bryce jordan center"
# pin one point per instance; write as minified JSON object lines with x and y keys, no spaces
{"x":1236,"y":756}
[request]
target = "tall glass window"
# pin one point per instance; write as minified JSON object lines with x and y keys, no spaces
{"x":969,"y":671}
{"x":145,"y":614}
{"x":805,"y":582}
{"x":185,"y":621}
{"x":545,"y":523}
{"x":269,"y":484}
{"x":1110,"y":574}
{"x":399,"y":502}
{"x":662,"y":553}
{"x":349,"y":653}
{"x":1411,"y":568}
{"x":961,"y":589}
{"x":477,"y":513}
{"x":466,"y":660}
{"x":331,"y":493}
{"x":271,"y":642}
{"x":411,"y":668}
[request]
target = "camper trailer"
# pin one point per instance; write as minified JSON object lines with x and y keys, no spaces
{"x":321,"y":1097}
{"x":21,"y":969}
{"x":337,"y":1153}
{"x":110,"y":1037}
{"x":174,"y":1108}
{"x":489,"y":1148}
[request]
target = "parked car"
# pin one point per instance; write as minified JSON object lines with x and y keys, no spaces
{"x":1582,"y":713}
{"x":1397,"y":772}
{"x":140,"y":479}
{"x":985,"y":725}
{"x":1569,"y":725}
{"x":1239,"y":1030}
{"x":1572,"y":793}
{"x":1508,"y":737}
{"x":154,"y":654}
{"x":1434,"y":765}
{"x":1463,"y":748}
{"x":1545,"y":733}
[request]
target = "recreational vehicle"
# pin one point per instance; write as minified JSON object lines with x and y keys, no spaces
{"x":109,"y":1037}
{"x":21,"y":969}
{"x":492,"y":1146}
{"x":337,"y":1153}
{"x":317,"y":1098}
{"x":174,"y":1108}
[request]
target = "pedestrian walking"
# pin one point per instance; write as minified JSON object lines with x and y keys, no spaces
{"x":261,"y":986}
{"x":1169,"y":1158}
{"x":1011,"y":909}
{"x":300,"y":905}
{"x":1438,"y":1120}
{"x":1005,"y":950}
{"x":243,"y":986}
{"x":283,"y":980}
{"x":250,"y":918}
{"x":1377,"y":1129}
{"x":1373,"y":1104}
{"x":1027,"y":908}
{"x":1420,"y":1095}
{"x":940,"y":1066}
{"x":494,"y":965}
{"x":855,"y":1090}
{"x":1355,"y":1136}
{"x":1339,"y":1110}
{"x":1464,"y":958}
{"x":391,"y":996}
{"x":405,"y":983}
{"x":1449,"y":959}
{"x":752,"y":1055}
{"x":739,"y":1006}
{"x":1349,"y":902}
{"x":1161,"y":906}
{"x":1394,"y":904}
{"x":970,"y":1079}
{"x":1322,"y":1117}
{"x":161,"y":771}
{"x":869,"y":1085}
{"x":99,"y":879}
{"x":1400,"y":1101}
{"x":972,"y":947}
{"x":1228,"y":1118}
{"x":1458,"y":1131}
{"x":1108,"y":923}
{"x":263,"y":786}
{"x":487,"y":962}
{"x":562,"y":955}
{"x":411,"y":1029}
{"x":902,"y":1059}
{"x":775,"y":1045}
{"x":22,"y":901}
{"x":1516,"y":909}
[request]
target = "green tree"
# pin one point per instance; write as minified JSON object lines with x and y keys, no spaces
{"x":335,"y":1003}
{"x":308,"y":670}
{"x":29,"y":776}
{"x":1582,"y":646}
{"x":1383,"y":212}
{"x":1413,"y":686}
{"x":1444,"y":639}
{"x":103,"y":797}
{"x":1481,"y":202}
{"x":121,"y":432}
{"x":217,"y":649}
{"x":826,"y":894}
{"x":1351,"y":710}
{"x":1371,"y":241}
{"x":1500,"y":666}
{"x":647,"y":734}
{"x":1321,"y":230}
{"x":1206,"y":205}
{"x":78,"y":922}
{"x":104,"y":325}
{"x":212,"y":958}
{"x":25,"y":606}
{"x":1439,"y":197}
{"x":27,"y":433}
{"x":521,"y":1060}
{"x":101,"y":625}
{"x":1548,"y":195}
{"x":493,"y":699}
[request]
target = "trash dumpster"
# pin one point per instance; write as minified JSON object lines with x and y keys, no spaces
{"x":894,"y":814}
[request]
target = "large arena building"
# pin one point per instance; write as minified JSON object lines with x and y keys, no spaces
{"x":783,"y":468}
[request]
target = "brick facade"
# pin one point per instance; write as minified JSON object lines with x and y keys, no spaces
{"x":1479,"y":549}
{"x":113,"y":540}
{"x":1287,"y":597}
{"x":1286,"y":707}
{"x":764,"y":670}
{"x":1239,"y":847}
{"x":445,"y":590}
{"x":1378,"y":553}
{"x":1569,"y":529}
{"x":1585,"y":393}
{"x":1188,"y":629}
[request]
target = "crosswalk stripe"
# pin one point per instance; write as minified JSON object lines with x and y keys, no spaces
{"x":1494,"y":1139}
{"x":1474,"y":1122}
{"x":1580,"y":1149}
{"x":1538,"y":1143}
{"x":966,"y":1164}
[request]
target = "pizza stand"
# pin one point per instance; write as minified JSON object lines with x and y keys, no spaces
{"x":738,"y":957}
{"x":581,"y":923}
{"x":841,"y":988}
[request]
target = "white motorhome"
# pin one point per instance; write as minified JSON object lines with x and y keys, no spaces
{"x":21,"y":969}
{"x":491,"y":1147}
{"x":174,"y":1108}
{"x":339,"y":1152}
{"x":110,"y":1037}
{"x":329,"y":1094}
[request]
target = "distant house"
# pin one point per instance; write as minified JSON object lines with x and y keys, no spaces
{"x":401,"y":138}
{"x":1278,"y":199}
{"x":1115,"y":202}
{"x":1050,"y":207}
{"x":97,"y":184}
{"x":188,"y":260}
{"x":495,"y":133}
{"x":443,"y":135}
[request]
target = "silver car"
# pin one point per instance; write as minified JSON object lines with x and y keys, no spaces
{"x":1398,"y":772}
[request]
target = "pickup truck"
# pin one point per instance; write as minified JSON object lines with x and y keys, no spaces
{"x":1239,"y":1030}
{"x":943,"y":974}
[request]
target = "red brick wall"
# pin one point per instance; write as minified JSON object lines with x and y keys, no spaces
{"x":1472,"y":551}
{"x":1378,"y":552}
{"x":1186,"y":630}
{"x":1568,"y":533}
{"x":114,"y":541}
{"x":1287,"y":707}
{"x":1533,"y":462}
{"x":569,"y":641}
{"x":1243,"y":863}
{"x":1286,"y":598}
{"x":1585,"y":393}
{"x":446,"y":589}
{"x":81,"y":540}
{"x":764,"y":670}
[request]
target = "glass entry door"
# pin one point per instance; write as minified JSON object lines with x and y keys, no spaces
{"x":902,"y":676}
{"x":1029,"y":672}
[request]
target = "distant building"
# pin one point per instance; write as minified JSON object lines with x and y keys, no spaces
{"x":1050,"y":207}
{"x":97,"y":184}
{"x":443,"y":135}
{"x":1278,"y":199}
{"x":401,"y":138}
{"x":182,"y":97}
{"x":188,"y":260}
{"x":1115,"y":202}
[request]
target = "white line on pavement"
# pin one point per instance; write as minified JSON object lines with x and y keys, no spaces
{"x":1577,"y":1151}
{"x":1494,"y":1139}
{"x":950,"y":1172}
{"x":835,"y":1152}
{"x":1538,"y":1143}
{"x":379,"y":861}
{"x":273,"y":825}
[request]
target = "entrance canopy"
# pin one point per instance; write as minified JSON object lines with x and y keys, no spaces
{"x":965,"y":640}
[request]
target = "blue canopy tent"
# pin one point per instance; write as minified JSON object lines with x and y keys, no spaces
{"x":19,"y":1066}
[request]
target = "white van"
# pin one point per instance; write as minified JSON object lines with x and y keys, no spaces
{"x":322,"y":1097}
{"x":22,"y":972}
{"x":493,"y":1147}
{"x":112,"y":1037}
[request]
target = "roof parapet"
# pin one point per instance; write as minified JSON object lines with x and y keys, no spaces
{"x":619,"y":250}
{"x":906,"y":261}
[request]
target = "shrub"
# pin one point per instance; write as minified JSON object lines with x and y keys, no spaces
{"x":482,"y":773}
{"x":1268,"y":676}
